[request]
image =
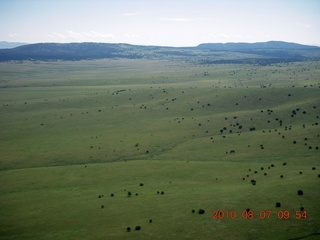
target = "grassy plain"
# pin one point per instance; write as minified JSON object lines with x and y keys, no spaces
{"x":74,"y":131}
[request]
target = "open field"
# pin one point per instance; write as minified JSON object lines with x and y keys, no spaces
{"x":73,"y":133}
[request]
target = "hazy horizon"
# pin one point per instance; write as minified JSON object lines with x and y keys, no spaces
{"x":25,"y":43}
{"x":165,"y":23}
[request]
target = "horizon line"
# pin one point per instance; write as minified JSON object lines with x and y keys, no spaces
{"x":154,"y":45}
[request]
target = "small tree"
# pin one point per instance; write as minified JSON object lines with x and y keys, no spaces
{"x":300,"y":192}
{"x":201,"y":211}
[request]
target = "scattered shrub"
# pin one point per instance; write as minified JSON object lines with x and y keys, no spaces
{"x":281,"y":176}
{"x":102,"y":206}
{"x":300,"y":192}
{"x":278,"y":204}
{"x":150,"y":221}
{"x":141,"y":184}
{"x":193,"y":211}
{"x":129,"y":194}
{"x":313,"y":168}
{"x":128,"y":229}
{"x":112,"y":195}
{"x":162,"y":192}
{"x":284,"y":164}
{"x":137,"y":228}
{"x":201,"y":211}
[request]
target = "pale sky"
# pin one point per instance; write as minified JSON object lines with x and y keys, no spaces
{"x":163,"y":22}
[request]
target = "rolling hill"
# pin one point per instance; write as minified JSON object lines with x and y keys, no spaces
{"x":260,"y":53}
{"x":6,"y":45}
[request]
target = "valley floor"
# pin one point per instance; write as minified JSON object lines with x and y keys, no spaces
{"x":90,"y":148}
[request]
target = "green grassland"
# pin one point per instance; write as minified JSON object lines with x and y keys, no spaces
{"x":73,"y":133}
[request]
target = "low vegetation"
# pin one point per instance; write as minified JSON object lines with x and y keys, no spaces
{"x":148,"y":149}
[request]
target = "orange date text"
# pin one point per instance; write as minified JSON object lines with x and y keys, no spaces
{"x":262,"y":214}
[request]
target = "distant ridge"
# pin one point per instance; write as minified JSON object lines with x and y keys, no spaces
{"x":259,"y":45}
{"x":262,"y":53}
{"x":6,"y":45}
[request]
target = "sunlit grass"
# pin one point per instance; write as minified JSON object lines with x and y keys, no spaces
{"x":71,"y":131}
